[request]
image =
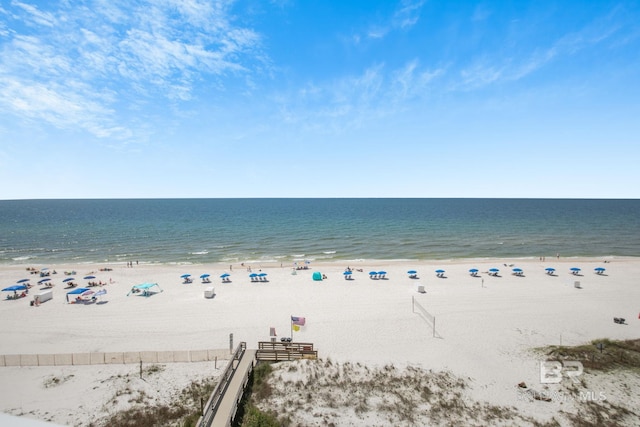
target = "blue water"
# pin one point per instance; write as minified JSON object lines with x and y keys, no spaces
{"x":284,"y":230}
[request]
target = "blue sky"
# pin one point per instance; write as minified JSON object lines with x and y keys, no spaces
{"x":258,"y":98}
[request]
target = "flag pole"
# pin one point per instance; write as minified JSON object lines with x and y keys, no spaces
{"x":291,"y":321}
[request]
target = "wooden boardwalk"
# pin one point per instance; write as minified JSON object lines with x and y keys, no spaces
{"x":222,"y":406}
{"x":228,"y":407}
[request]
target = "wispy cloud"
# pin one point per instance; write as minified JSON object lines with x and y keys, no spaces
{"x":353,"y":101}
{"x":404,"y":17}
{"x":488,"y":69}
{"x":70,"y":64}
{"x":407,"y":14}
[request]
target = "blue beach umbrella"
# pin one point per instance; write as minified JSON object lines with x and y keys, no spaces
{"x":224,"y":275}
{"x":184,"y":276}
{"x":15,"y":288}
{"x":382,"y":273}
{"x":253,"y":275}
{"x":439,"y":271}
{"x":412,"y":272}
{"x":347,"y":273}
{"x":599,"y":270}
{"x":494,"y":270}
{"x":517,"y":270}
{"x":575,"y":269}
{"x":22,"y":280}
{"x":473,"y":270}
{"x":68,"y":279}
{"x":44,"y":280}
{"x":373,"y":273}
{"x":204,"y":276}
{"x":550,"y":270}
{"x":89,"y":277}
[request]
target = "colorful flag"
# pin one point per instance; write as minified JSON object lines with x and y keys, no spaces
{"x":298,"y":320}
{"x":272,"y":332}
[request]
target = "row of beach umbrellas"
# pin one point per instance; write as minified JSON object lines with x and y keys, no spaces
{"x":206,"y":276}
{"x":23,"y":284}
{"x":517,"y":271}
{"x":474,"y":272}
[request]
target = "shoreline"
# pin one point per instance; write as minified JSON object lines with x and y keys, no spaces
{"x":276,"y":263}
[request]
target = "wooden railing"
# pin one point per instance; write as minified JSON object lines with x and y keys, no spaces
{"x":210,"y":409}
{"x":273,"y":351}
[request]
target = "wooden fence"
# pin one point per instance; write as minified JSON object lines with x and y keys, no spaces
{"x":112,"y":358}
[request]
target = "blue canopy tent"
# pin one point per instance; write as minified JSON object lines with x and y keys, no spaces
{"x":15,"y":288}
{"x":145,"y":289}
{"x":77,"y":291}
{"x":317,"y":276}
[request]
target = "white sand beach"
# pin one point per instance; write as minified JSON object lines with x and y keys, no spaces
{"x":485,"y":326}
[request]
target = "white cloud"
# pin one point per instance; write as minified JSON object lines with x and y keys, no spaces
{"x":490,"y":69}
{"x":408,"y":14}
{"x":115,"y":51}
{"x":36,"y":16}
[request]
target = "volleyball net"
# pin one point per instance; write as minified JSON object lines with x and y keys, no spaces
{"x":418,"y":308}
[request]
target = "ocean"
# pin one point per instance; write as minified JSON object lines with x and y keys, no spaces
{"x":292,"y":230}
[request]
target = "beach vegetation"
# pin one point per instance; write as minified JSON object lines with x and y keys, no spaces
{"x":55,"y":380}
{"x":144,"y":411}
{"x":599,"y":355}
{"x":385,"y":395}
{"x":254,"y":417}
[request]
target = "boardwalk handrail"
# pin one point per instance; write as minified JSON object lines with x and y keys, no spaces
{"x":239,"y":393}
{"x":210,"y":409}
{"x":274,"y":351}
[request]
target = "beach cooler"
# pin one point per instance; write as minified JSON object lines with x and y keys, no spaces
{"x":209,"y":292}
{"x":41,"y":297}
{"x":420,"y":288}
